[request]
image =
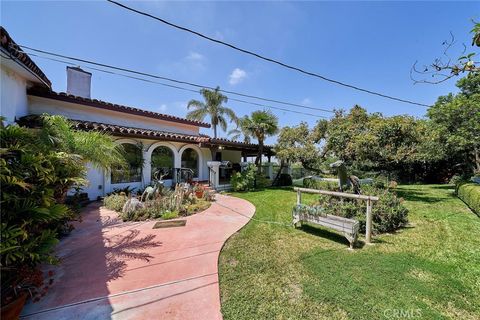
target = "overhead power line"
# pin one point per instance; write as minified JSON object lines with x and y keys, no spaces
{"x":175,"y":80}
{"x":176,"y":87}
{"x":257,"y":55}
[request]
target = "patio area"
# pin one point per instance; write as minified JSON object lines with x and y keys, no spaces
{"x":127,"y":270}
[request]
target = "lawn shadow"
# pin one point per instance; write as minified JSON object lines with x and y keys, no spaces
{"x":410,"y":195}
{"x":329,"y":234}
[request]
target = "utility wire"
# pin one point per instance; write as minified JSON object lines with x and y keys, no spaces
{"x":309,"y":73}
{"x":172,"y":80}
{"x":177,"y":87}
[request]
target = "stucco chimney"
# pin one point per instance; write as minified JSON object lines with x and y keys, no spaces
{"x":78,"y":82}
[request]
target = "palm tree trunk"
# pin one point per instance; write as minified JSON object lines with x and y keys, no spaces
{"x":215,"y":131}
{"x":258,"y":161}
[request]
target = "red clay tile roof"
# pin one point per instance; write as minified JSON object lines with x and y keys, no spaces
{"x":34,"y":121}
{"x":138,"y":132}
{"x":16,"y":52}
{"x":62,"y":96}
{"x":163,"y":135}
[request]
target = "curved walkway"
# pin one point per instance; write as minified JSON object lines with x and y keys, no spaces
{"x":116,"y":270}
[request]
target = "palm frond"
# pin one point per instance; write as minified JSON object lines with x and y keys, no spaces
{"x":197,"y":114}
{"x":196,"y":104}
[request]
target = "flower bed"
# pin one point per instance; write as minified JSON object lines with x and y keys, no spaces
{"x":165,"y":204}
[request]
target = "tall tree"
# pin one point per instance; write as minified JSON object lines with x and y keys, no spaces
{"x":299,"y":144}
{"x":456,"y":118}
{"x":212,"y":107}
{"x":260,"y":125}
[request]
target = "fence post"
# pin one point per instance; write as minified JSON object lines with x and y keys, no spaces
{"x":368,"y":233}
{"x":299,"y":197}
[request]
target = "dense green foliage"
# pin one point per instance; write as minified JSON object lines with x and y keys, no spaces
{"x":470,"y":194}
{"x":272,"y":271}
{"x":320,"y":184}
{"x":284,"y":180}
{"x":401,"y":147}
{"x":389,"y":213}
{"x":115,"y":201}
{"x":245,"y":180}
{"x":455,"y":120}
{"x":37,"y":168}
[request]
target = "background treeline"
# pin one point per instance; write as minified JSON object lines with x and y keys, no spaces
{"x":443,"y":144}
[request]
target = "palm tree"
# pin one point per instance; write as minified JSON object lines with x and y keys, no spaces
{"x":260,"y":125}
{"x":237,"y":133}
{"x":212,"y":107}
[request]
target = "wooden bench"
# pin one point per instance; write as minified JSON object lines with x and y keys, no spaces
{"x":348,"y":227}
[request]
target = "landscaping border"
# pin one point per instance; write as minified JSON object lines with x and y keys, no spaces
{"x":469,"y":193}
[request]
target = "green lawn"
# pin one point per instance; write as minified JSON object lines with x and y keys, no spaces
{"x":430,"y":269}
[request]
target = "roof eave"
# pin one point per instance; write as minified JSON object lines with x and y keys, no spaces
{"x":112,"y":107}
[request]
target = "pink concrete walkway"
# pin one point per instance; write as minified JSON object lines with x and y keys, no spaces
{"x":116,"y":270}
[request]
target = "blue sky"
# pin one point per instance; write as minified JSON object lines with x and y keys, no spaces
{"x":369,"y":44}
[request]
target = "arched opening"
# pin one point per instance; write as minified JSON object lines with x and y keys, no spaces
{"x":133,"y":170}
{"x":190,"y":160}
{"x":163,"y":161}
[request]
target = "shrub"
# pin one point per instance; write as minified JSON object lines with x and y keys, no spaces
{"x":388,"y":213}
{"x":261,"y":181}
{"x":123,"y":191}
{"x":284,"y":180}
{"x":320,"y":184}
{"x":170,"y":215}
{"x":199,"y":206}
{"x":393,"y":184}
{"x":115,"y":202}
{"x":245,"y":180}
{"x":470,"y":194}
{"x":37,"y":168}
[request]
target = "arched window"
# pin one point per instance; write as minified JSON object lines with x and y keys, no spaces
{"x":163,"y":161}
{"x":133,"y":170}
{"x":190,"y":160}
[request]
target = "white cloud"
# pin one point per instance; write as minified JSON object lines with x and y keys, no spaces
{"x":307,"y":102}
{"x":163,"y":108}
{"x":195,"y":56}
{"x":237,"y":76}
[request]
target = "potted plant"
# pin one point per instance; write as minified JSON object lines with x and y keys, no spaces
{"x":199,"y":190}
{"x":18,"y":285}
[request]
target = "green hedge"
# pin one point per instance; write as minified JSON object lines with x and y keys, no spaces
{"x":470,"y":194}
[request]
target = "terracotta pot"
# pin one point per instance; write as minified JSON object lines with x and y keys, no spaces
{"x":12,"y":310}
{"x":199,"y":194}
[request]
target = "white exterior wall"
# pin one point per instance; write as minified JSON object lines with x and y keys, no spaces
{"x":39,"y":105}
{"x":13,"y":95}
{"x":232,"y":156}
{"x":100,"y":182}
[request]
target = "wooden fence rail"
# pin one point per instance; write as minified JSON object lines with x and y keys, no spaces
{"x":369,"y":199}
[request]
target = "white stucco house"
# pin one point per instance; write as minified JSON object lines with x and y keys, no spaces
{"x":161,"y":141}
